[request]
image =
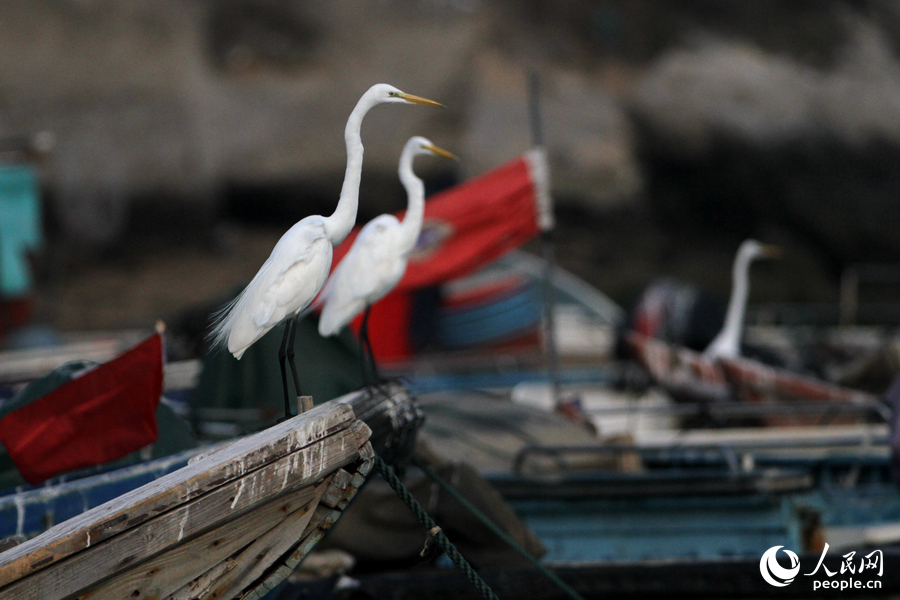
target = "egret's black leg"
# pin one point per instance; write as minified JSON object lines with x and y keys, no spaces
{"x":375,"y":377}
{"x":290,"y":353}
{"x":282,"y":357}
{"x":364,"y":345}
{"x":362,"y":361}
{"x":376,"y":381}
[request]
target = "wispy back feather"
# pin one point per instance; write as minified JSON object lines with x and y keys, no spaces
{"x":218,"y":334}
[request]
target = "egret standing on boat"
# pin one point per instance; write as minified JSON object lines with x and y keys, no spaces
{"x":728,"y":343}
{"x":296,"y":270}
{"x":377,"y":260}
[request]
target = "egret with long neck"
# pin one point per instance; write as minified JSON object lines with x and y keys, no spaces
{"x":377,"y":260}
{"x":296,"y":270}
{"x":727,"y":344}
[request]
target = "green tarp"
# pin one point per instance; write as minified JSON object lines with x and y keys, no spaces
{"x":328,"y":368}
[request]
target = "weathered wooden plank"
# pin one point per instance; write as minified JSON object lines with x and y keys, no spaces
{"x":339,"y":483}
{"x":362,"y":431}
{"x":269,"y":584}
{"x":319,"y":518}
{"x":167,"y":492}
{"x":172,"y":571}
{"x":322,"y":520}
{"x":367,"y":456}
{"x":304,"y":403}
{"x":356,"y":482}
{"x":284,"y":570}
{"x":200,"y":585}
{"x":261,"y":554}
{"x":200,"y":514}
{"x":366,"y":452}
{"x":310,"y":542}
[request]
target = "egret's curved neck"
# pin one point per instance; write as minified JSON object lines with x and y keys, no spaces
{"x":737,"y":304}
{"x":415,"y":194}
{"x":339,"y":224}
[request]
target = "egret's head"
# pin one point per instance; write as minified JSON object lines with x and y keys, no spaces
{"x":422,"y":145}
{"x":752,"y":249}
{"x":383,"y":92}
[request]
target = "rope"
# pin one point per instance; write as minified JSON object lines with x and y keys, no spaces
{"x":433,"y":530}
{"x":562,"y":585}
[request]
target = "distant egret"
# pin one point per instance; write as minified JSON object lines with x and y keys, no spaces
{"x":728,"y":343}
{"x":296,"y":270}
{"x":377,"y":260}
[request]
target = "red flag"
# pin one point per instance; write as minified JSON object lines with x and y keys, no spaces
{"x":99,"y":416}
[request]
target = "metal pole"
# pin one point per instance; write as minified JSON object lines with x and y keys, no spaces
{"x":548,"y":251}
{"x":849,"y":296}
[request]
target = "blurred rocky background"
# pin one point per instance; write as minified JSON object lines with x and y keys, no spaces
{"x":189,"y":134}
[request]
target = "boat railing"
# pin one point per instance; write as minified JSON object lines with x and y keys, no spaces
{"x":739,"y":410}
{"x":738,"y":455}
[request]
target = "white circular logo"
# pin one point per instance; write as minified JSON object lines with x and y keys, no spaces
{"x":773,"y":572}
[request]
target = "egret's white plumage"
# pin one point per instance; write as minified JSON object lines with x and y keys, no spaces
{"x":377,"y":260}
{"x":296,"y":270}
{"x":727,"y":344}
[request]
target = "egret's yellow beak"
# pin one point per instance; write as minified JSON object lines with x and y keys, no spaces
{"x":439,"y":151}
{"x":771,"y":251}
{"x":417,"y":100}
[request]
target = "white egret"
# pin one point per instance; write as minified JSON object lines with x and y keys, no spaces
{"x":296,"y":270}
{"x":377,"y":260}
{"x":728,"y":343}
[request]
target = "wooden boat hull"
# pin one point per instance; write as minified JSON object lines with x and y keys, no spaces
{"x":232,"y":523}
{"x":394,"y":419}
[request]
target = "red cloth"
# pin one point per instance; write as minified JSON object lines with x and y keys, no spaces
{"x":389,"y":322}
{"x":97,"y":417}
{"x":464,"y":227}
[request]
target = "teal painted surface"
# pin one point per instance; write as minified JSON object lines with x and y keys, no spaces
{"x":851,"y":491}
{"x":848,"y":491}
{"x":20,"y":227}
{"x":660,"y":528}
